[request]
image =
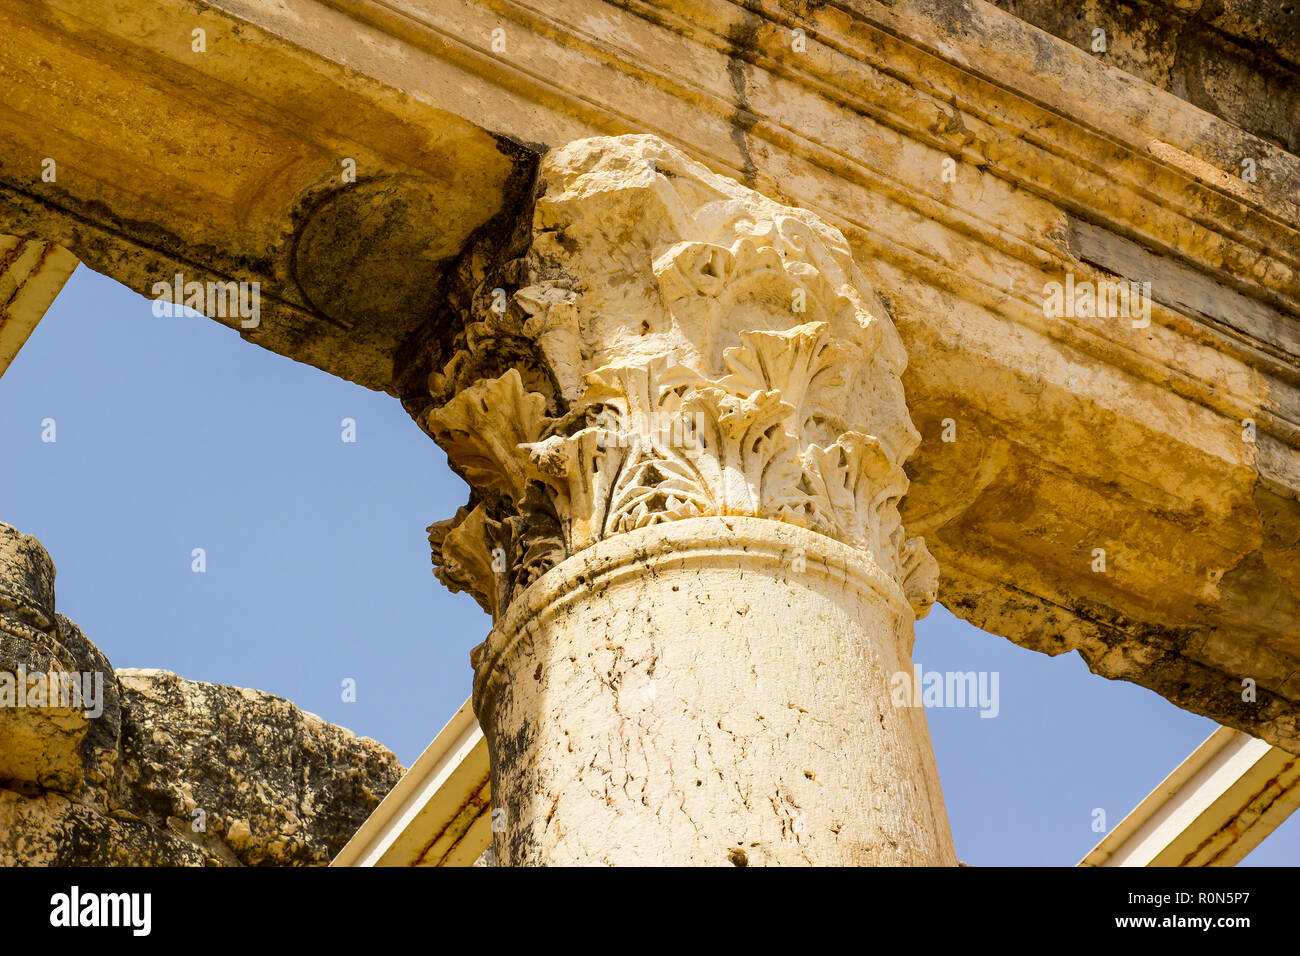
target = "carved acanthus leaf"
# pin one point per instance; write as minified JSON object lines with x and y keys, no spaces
{"x":920,"y":575}
{"x":687,"y":348}
{"x":463,"y":555}
{"x":482,"y":428}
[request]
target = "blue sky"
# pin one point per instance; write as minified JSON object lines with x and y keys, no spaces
{"x":174,"y":434}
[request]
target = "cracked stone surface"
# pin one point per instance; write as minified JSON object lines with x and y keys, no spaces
{"x":173,"y":772}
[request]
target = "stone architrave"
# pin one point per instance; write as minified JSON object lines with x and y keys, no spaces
{"x":679,"y":407}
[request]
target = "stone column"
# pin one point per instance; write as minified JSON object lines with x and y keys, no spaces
{"x":679,"y":407}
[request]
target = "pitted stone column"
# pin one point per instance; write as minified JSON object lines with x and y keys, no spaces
{"x":679,"y":406}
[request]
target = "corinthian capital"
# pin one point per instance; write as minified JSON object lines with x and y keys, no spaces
{"x":664,"y":343}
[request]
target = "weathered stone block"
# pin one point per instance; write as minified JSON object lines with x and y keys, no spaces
{"x":164,"y":771}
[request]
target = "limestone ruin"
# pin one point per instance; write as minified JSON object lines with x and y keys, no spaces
{"x":755,"y":328}
{"x":162,"y":771}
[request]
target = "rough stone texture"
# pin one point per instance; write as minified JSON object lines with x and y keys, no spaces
{"x":44,"y":828}
{"x":709,"y":692}
{"x":278,"y":786}
{"x":173,"y":772}
{"x":254,"y":183}
{"x":53,"y":747}
{"x":1238,"y":59}
{"x":678,"y":405}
